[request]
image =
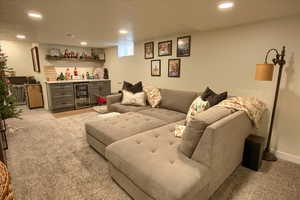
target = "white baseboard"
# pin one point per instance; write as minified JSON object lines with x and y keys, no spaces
{"x":288,"y":157}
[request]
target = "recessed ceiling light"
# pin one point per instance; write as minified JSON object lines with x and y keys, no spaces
{"x":123,"y":31}
{"x":225,"y":4}
{"x":83,"y":43}
{"x":19,"y":36}
{"x":35,"y":15}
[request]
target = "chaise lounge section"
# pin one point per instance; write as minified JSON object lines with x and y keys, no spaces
{"x":137,"y":119}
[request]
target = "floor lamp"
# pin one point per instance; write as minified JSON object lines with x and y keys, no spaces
{"x":264,"y":72}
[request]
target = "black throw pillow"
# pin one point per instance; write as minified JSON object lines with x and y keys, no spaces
{"x":208,"y":92}
{"x":138,"y":87}
{"x":217,"y":98}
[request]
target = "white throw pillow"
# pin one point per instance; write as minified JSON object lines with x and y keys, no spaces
{"x":153,"y":95}
{"x":197,"y":106}
{"x":137,"y":99}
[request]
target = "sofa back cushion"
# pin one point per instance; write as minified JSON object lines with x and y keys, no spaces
{"x":177,"y":100}
{"x":197,"y":125}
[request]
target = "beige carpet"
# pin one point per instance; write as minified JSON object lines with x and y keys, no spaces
{"x":72,"y":112}
{"x":49,"y":159}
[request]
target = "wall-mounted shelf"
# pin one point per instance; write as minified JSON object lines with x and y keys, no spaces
{"x":55,"y":58}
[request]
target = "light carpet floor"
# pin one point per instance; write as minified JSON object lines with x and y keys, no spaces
{"x":49,"y":159}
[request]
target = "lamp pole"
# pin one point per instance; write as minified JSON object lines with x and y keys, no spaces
{"x":268,"y":155}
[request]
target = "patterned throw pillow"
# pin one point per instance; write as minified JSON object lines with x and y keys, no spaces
{"x":137,"y":99}
{"x":197,"y":106}
{"x":153,"y":95}
{"x":179,"y":130}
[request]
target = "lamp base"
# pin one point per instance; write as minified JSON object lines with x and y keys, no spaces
{"x":268,"y":156}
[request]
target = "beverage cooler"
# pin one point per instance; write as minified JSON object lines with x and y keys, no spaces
{"x":82,"y":98}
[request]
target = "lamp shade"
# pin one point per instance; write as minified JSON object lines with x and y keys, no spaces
{"x":264,"y":72}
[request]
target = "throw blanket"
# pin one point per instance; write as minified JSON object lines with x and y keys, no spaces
{"x":251,"y":105}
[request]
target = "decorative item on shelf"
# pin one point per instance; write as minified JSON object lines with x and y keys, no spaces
{"x":98,"y":73}
{"x":149,"y":50}
{"x":82,"y":76}
{"x":68,"y":74}
{"x":174,"y":68}
{"x":106,"y":76}
{"x":72,"y":54}
{"x":95,"y":54}
{"x":61,"y":77}
{"x":55,"y":52}
{"x":102,"y":56}
{"x":83,"y":55}
{"x":87,"y":75}
{"x":165,"y":48}
{"x":66,"y":54}
{"x":264,"y":72}
{"x":184,"y":46}
{"x":50,"y":73}
{"x":155,"y":68}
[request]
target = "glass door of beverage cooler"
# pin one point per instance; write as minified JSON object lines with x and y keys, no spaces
{"x":82,"y":99}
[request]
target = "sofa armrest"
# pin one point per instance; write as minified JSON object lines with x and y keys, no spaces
{"x":111,"y":99}
{"x":221,"y":146}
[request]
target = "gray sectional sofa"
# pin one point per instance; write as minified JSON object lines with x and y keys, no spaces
{"x":145,"y":157}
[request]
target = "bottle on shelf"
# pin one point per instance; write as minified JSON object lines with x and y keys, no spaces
{"x":68,"y":74}
{"x":75,"y":72}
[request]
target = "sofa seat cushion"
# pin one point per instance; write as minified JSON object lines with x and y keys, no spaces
{"x":118,"y":107}
{"x":152,"y":161}
{"x":109,"y":130}
{"x":164,"y":114}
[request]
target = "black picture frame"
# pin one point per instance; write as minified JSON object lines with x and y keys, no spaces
{"x":152,"y":66}
{"x":174,"y":72}
{"x":35,"y":59}
{"x":149,"y":50}
{"x":184,"y":46}
{"x":168,"y":44}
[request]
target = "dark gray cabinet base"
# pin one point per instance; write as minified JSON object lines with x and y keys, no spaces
{"x":61,"y":96}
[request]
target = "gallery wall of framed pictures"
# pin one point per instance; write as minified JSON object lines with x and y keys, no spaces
{"x":164,"y":49}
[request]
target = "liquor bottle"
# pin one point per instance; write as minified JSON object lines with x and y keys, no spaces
{"x":75,"y":72}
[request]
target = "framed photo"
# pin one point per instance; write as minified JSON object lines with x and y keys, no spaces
{"x":184,"y":46}
{"x":165,"y":48}
{"x":155,"y":68}
{"x":35,"y":59}
{"x":149,"y":50}
{"x":174,"y":68}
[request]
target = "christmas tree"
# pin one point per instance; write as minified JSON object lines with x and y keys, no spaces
{"x":8,"y":108}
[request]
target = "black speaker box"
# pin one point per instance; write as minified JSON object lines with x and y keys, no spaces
{"x":253,"y":151}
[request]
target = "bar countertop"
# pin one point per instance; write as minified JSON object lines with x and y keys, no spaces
{"x":76,"y":81}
